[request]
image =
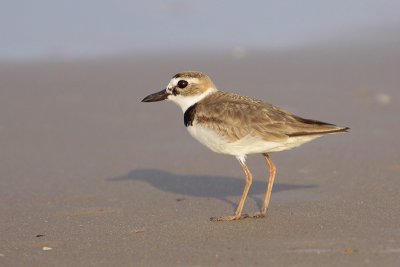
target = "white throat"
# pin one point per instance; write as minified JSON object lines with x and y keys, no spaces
{"x":187,"y":101}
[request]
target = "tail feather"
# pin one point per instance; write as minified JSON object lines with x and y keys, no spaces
{"x":337,"y":130}
{"x":317,"y":127}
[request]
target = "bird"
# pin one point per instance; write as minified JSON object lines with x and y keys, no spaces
{"x":236,"y":125}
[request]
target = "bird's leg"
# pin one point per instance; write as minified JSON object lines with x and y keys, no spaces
{"x":249,"y":180}
{"x":272,"y":172}
{"x":238,"y":213}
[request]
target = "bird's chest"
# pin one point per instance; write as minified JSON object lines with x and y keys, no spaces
{"x":208,"y":137}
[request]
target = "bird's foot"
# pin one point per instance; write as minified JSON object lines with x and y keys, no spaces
{"x":229,"y":218}
{"x":257,"y":215}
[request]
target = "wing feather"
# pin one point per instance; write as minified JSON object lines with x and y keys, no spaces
{"x":234,"y":117}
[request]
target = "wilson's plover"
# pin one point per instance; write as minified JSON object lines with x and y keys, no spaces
{"x":237,"y":125}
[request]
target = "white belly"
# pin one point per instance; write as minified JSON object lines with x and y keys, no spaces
{"x":245,"y":146}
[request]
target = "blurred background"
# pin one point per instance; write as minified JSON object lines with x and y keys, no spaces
{"x":46,"y":29}
{"x":81,"y":155}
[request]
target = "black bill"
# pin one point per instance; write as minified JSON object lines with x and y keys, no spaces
{"x":162,"y":95}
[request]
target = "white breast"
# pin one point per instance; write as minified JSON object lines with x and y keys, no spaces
{"x":209,"y":138}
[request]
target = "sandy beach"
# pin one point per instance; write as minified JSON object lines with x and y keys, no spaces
{"x":90,"y":176}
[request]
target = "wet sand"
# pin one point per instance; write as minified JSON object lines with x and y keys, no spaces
{"x":89,"y":176}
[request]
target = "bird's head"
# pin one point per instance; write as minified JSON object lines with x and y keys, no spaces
{"x":185,"y":89}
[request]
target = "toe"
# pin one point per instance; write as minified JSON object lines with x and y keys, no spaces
{"x":257,"y":215}
{"x":223,"y":218}
{"x":230,"y":218}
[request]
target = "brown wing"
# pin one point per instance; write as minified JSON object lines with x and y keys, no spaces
{"x":234,"y":117}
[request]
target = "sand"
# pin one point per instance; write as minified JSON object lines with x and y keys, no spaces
{"x":89,"y":176}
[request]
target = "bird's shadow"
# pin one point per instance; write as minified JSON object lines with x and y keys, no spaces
{"x":219,"y":187}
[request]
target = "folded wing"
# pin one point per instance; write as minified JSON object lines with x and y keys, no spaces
{"x":234,"y":117}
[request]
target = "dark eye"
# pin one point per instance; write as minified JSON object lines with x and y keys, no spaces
{"x":182,"y":84}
